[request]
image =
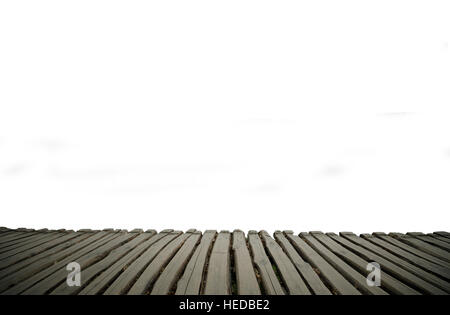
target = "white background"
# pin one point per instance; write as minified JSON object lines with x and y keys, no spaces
{"x":302,"y":115}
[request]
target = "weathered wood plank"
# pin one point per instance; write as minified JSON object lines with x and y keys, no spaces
{"x":431,"y":240}
{"x":267,"y":275}
{"x":423,"y":246}
{"x":442,"y":233}
{"x":218,"y":275}
{"x":35,"y":250}
{"x":416,"y":260}
{"x":326,"y":248}
{"x":291,"y":278}
{"x":411,"y":249}
{"x":246,"y":281}
{"x":128,"y":277}
{"x":149,"y":275}
{"x":191,"y":281}
{"x":20,"y":271}
{"x":431,"y":278}
{"x":51,"y":264}
{"x":438,"y":237}
{"x":172,"y":271}
{"x":95,"y":269}
{"x":304,"y":268}
{"x":6,"y":239}
{"x":100,"y":283}
{"x":339,"y":284}
{"x":388,"y":282}
{"x":56,"y":278}
{"x":31,"y":242}
{"x":16,"y":242}
{"x":401,"y":274}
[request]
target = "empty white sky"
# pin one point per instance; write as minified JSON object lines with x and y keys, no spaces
{"x":302,"y":115}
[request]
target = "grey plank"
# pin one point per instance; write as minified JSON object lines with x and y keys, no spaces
{"x":43,"y":261}
{"x":126,"y":279}
{"x":218,"y":274}
{"x":267,"y":275}
{"x":304,"y":268}
{"x":423,"y":246}
{"x":8,"y":237}
{"x":100,"y":283}
{"x":291,"y":278}
{"x":442,"y":233}
{"x":428,"y":239}
{"x":411,"y":249}
{"x":429,"y":277}
{"x":246,"y":281}
{"x":19,"y":270}
{"x":388,"y":267}
{"x":438,"y":237}
{"x":350,"y":267}
{"x":388,"y":283}
{"x":416,"y":260}
{"x":173,"y":270}
{"x":84,"y":261}
{"x":17,"y":241}
{"x":35,"y":250}
{"x":34,"y":241}
{"x":151,"y":272}
{"x":51,"y":264}
{"x":98,"y":267}
{"x":191,"y":281}
{"x":338,"y":282}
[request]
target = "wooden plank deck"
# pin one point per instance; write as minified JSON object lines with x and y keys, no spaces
{"x":211,"y":263}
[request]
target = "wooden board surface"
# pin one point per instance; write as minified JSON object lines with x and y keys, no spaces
{"x":211,"y":263}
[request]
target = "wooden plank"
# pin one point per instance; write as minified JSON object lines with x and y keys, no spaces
{"x":98,"y":267}
{"x":411,"y":249}
{"x":7,"y":238}
{"x":431,"y":240}
{"x":339,"y":284}
{"x":291,"y":278}
{"x":388,"y":283}
{"x":388,"y":267}
{"x":442,"y":233}
{"x":19,"y":266}
{"x":51,"y":264}
{"x":147,"y":278}
{"x":126,"y":279}
{"x":218,"y":274}
{"x":14,"y":274}
{"x":34,"y":241}
{"x":423,"y":246}
{"x":169,"y":276}
{"x":267,"y":275}
{"x":429,"y":277}
{"x":100,"y":283}
{"x":17,"y":241}
{"x":441,"y":238}
{"x":35,"y":250}
{"x":358,"y":276}
{"x":20,"y":243}
{"x":84,"y":261}
{"x":191,"y":281}
{"x":304,"y":268}
{"x":246,"y":281}
{"x":416,"y":260}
